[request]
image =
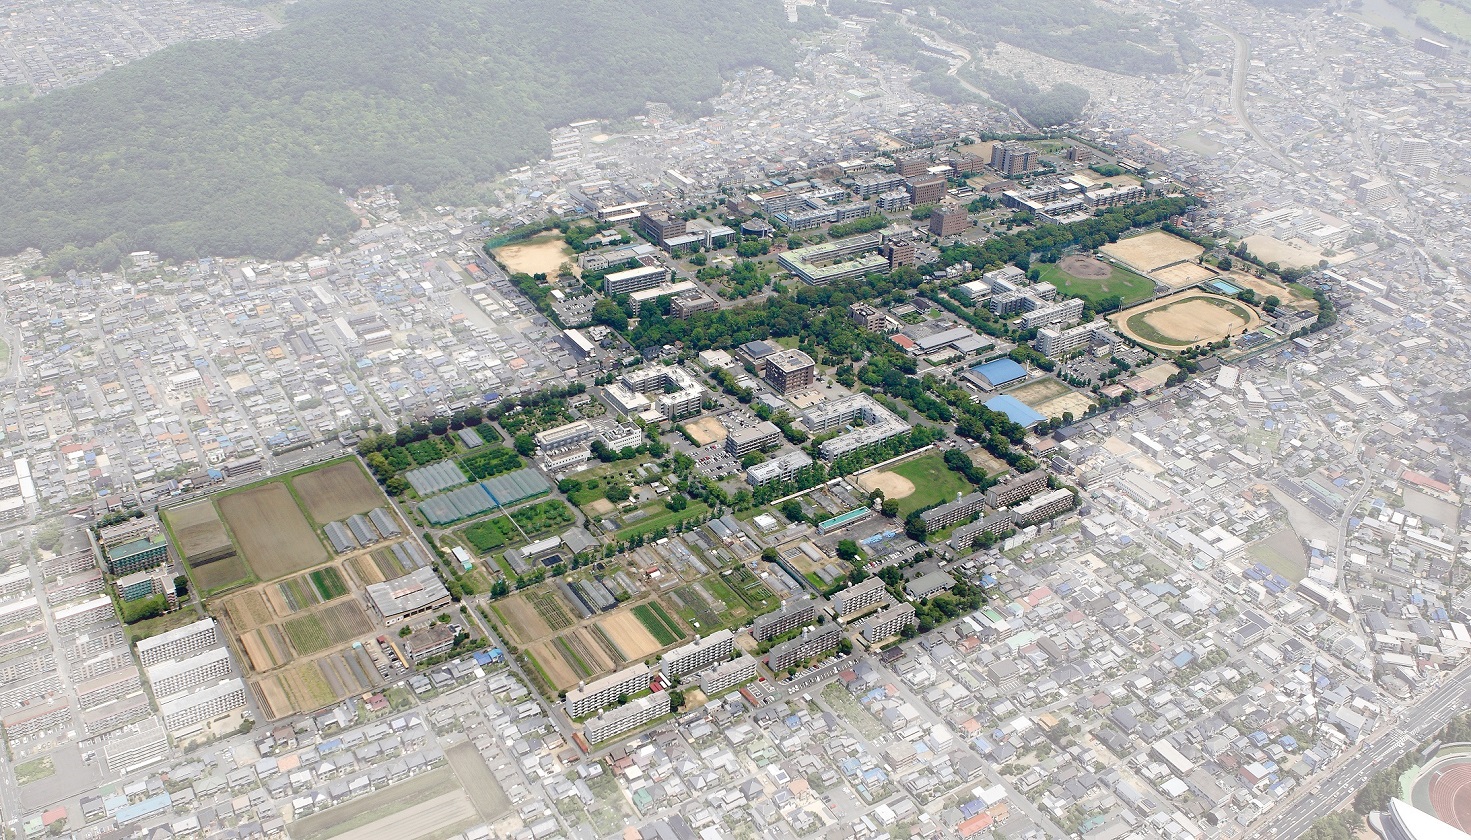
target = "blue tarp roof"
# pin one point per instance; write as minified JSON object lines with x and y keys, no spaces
{"x":1018,"y":411}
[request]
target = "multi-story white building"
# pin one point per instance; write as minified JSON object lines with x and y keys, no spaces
{"x":1043,"y":507}
{"x":178,"y":676}
{"x":791,"y":616}
{"x":179,"y":643}
{"x":880,"y":424}
{"x":733,"y":672}
{"x":859,"y":596}
{"x":634,"y":279}
{"x":187,"y":711}
{"x":697,"y":655}
{"x":599,"y":693}
{"x":108,"y":687}
{"x":72,"y":618}
{"x":1062,"y":312}
{"x":882,"y":625}
{"x":626,"y":718}
{"x":813,"y":642}
{"x":780,"y":468}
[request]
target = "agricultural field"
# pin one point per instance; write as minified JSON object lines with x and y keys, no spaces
{"x":321,"y":629}
{"x":427,"y":803}
{"x":490,"y":461}
{"x":220,"y":575}
{"x":489,"y":534}
{"x":337,"y":491}
{"x":1186,"y":320}
{"x":662,"y":517}
{"x":490,"y":800}
{"x":658,"y":623}
{"x":548,"y":605}
{"x":1095,"y":280}
{"x":727,"y":599}
{"x":271,"y":531}
{"x":265,"y":647}
{"x":247,"y":611}
{"x":198,"y":532}
{"x":521,"y":618}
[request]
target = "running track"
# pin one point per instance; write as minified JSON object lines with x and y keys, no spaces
{"x":1450,"y":795}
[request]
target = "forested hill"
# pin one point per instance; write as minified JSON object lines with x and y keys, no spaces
{"x":241,"y":147}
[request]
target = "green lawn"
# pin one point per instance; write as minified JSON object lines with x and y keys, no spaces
{"x":933,"y":482}
{"x":4,"y":355}
{"x":657,"y":622}
{"x":656,"y":520}
{"x":1120,"y":281}
{"x":34,"y":770}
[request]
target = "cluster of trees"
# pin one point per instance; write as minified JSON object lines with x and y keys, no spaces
{"x":232,"y":147}
{"x":1062,"y":103}
{"x":1089,"y":234}
{"x":1076,"y":32}
{"x":867,"y":224}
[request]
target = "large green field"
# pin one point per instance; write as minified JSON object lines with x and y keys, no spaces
{"x":933,"y":482}
{"x":1120,"y":281}
{"x":1451,"y":18}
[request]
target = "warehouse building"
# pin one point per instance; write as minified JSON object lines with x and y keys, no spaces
{"x":418,"y":592}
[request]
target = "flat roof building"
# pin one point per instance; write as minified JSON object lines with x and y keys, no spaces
{"x":626,"y":718}
{"x":416,"y":593}
{"x":791,"y":616}
{"x":859,"y":596}
{"x":698,"y":654}
{"x":928,"y":584}
{"x":188,"y":711}
{"x":891,"y":621}
{"x":173,"y":677}
{"x":179,"y":643}
{"x":604,"y":692}
{"x":743,"y":439}
{"x":790,"y":370}
{"x":939,"y":518}
{"x":781,"y":468}
{"x":812,"y":643}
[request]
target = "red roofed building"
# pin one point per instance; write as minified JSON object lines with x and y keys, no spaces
{"x":975,"y":825}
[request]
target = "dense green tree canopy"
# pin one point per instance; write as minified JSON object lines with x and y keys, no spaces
{"x":228,"y":147}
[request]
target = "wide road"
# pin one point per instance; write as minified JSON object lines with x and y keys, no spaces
{"x":1239,"y":70}
{"x":1404,"y":730}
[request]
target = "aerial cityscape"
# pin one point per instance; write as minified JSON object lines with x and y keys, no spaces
{"x":466,"y":420}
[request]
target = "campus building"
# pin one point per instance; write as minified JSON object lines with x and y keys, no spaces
{"x":632,"y":280}
{"x":859,"y":596}
{"x":925,"y":190}
{"x":890,"y":622}
{"x":789,"y":617}
{"x":790,"y":370}
{"x":588,"y":698}
{"x":1013,"y":158}
{"x":814,"y":642}
{"x":697,"y":655}
{"x":677,"y":393}
{"x":1062,"y":312}
{"x":780,"y":468}
{"x":1057,"y":344}
{"x":431,"y":641}
{"x":743,"y":439}
{"x":950,"y":220}
{"x":880,"y":424}
{"x":827,"y":262}
{"x":418,"y":592}
{"x":659,"y":226}
{"x":626,"y":718}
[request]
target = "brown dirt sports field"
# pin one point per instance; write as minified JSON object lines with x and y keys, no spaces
{"x":1184,"y":274}
{"x":271,"y":531}
{"x":337,"y":492}
{"x":706,"y":430}
{"x":1185,"y":319}
{"x":892,"y":485}
{"x":1149,"y":251}
{"x":1084,"y":268}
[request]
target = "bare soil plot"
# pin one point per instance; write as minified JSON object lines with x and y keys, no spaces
{"x":1183,"y":274}
{"x":1085,"y":268}
{"x":706,"y":430}
{"x":892,"y":485}
{"x":272,"y":698}
{"x":1039,"y":391}
{"x":628,"y":633}
{"x":271,"y":531}
{"x":247,"y":611}
{"x":522,"y":619}
{"x":558,"y":671}
{"x":374,"y":810}
{"x":365,"y":570}
{"x":1291,"y":254}
{"x":265,"y":648}
{"x":306,"y":687}
{"x":1185,"y":320}
{"x":536,"y":256}
{"x":1281,"y":551}
{"x":1265,"y":288}
{"x":337,"y":492}
{"x":199,"y":533}
{"x":219,"y":575}
{"x":1072,"y":402}
{"x":1152,"y":250}
{"x":485,"y":792}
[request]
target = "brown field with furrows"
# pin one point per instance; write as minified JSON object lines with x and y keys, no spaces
{"x":272,"y":698}
{"x":447,"y":812}
{"x":628,"y":633}
{"x":306,"y":687}
{"x":265,"y":647}
{"x":247,"y":611}
{"x":337,"y":492}
{"x":365,"y":570}
{"x":198,"y":530}
{"x":557,"y":670}
{"x":522,"y":619}
{"x":271,"y":531}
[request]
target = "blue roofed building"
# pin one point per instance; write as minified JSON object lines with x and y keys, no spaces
{"x":993,"y":375}
{"x":1016,"y":410}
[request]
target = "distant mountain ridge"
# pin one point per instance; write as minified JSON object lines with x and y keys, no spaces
{"x":231,"y":148}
